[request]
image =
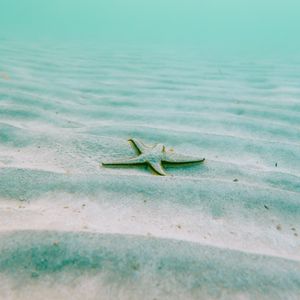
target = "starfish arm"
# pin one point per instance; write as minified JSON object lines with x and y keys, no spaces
{"x":180,"y":159}
{"x":157,"y":167}
{"x":138,"y":144}
{"x":130,"y":161}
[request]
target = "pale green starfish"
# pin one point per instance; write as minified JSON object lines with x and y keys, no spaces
{"x":154,"y":156}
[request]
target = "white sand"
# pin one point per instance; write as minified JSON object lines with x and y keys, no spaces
{"x":62,"y":112}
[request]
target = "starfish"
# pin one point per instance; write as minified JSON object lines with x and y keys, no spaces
{"x":154,"y":156}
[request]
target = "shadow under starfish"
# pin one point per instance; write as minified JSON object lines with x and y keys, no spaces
{"x":154,"y":156}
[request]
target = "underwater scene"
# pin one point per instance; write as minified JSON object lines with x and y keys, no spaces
{"x":149,"y":149}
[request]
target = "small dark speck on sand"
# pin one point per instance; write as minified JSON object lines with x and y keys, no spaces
{"x":266,"y":206}
{"x":135,"y":266}
{"x":178,"y":226}
{"x":278,"y":227}
{"x":276,"y":164}
{"x":293,"y":228}
{"x":34,"y":275}
{"x":295,"y":234}
{"x":235,"y":180}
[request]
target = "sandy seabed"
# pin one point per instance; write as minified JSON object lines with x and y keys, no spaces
{"x":70,"y":228}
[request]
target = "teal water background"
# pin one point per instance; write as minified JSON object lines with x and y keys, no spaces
{"x":234,"y":26}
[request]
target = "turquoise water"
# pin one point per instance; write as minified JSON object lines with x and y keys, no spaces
{"x":234,"y":26}
{"x":217,"y":79}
